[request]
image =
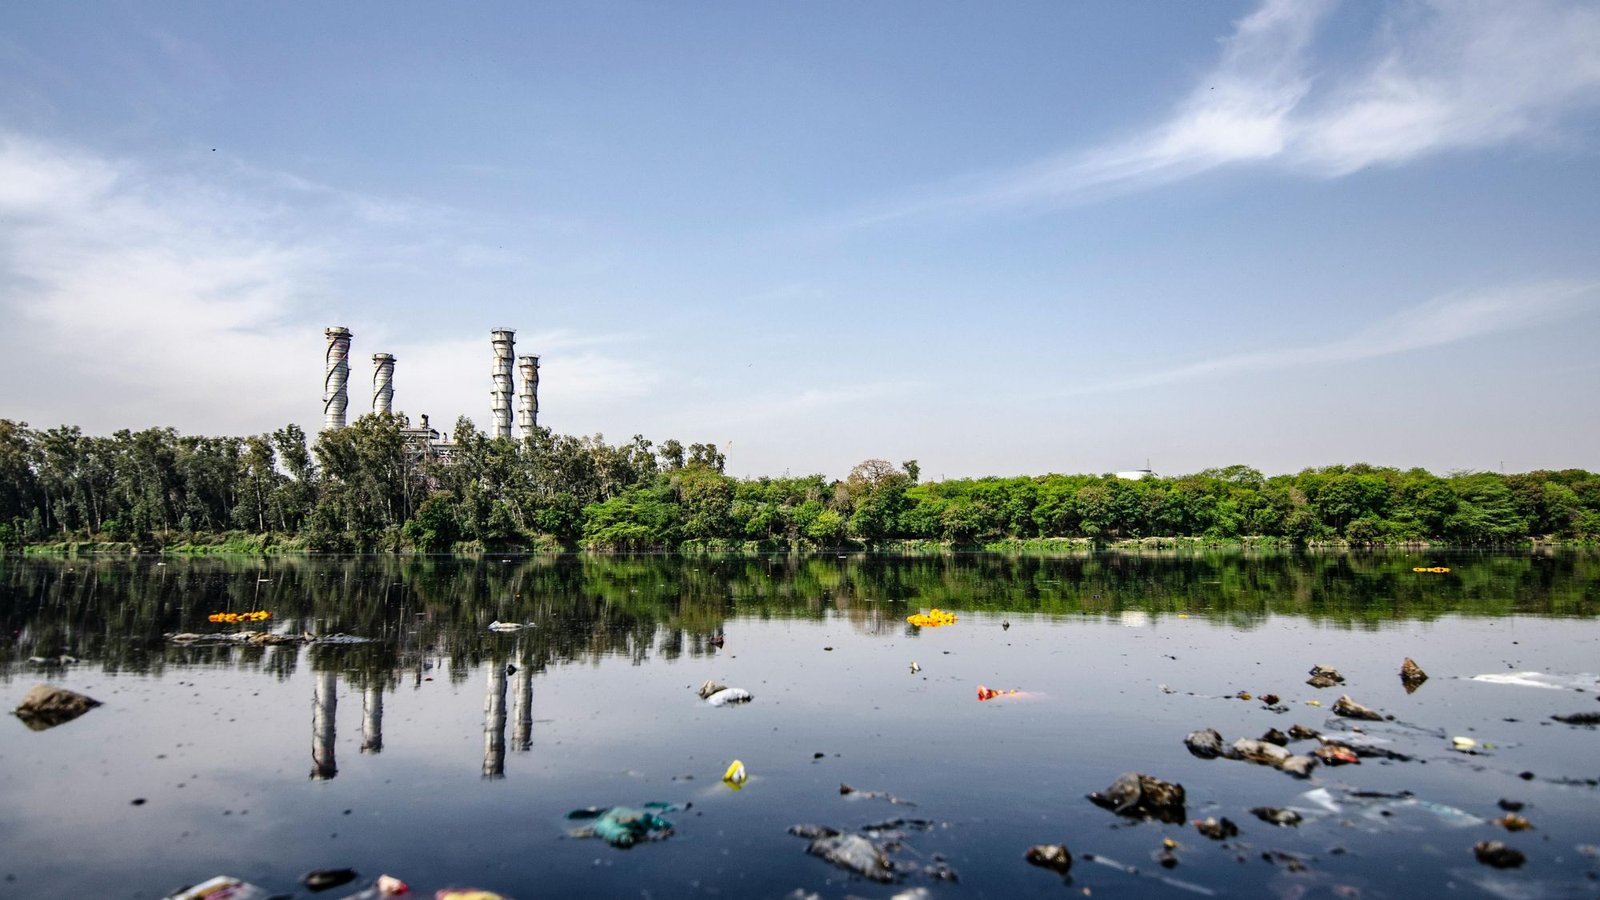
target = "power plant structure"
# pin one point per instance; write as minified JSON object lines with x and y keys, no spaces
{"x":528,"y":397}
{"x":336,"y":379}
{"x":382,"y":383}
{"x":504,"y":341}
{"x":506,"y":364}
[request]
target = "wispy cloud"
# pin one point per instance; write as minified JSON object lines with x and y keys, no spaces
{"x":1444,"y":320}
{"x":1434,"y":77}
{"x":116,"y":288}
{"x":134,"y":297}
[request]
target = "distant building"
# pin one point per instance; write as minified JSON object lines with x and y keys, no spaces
{"x":425,"y":441}
{"x":1136,"y":475}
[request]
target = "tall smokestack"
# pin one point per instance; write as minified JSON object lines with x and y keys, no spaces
{"x":336,"y":383}
{"x":528,"y":398}
{"x":382,"y":383}
{"x":505,"y":343}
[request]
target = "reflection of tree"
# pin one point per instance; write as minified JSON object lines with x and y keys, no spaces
{"x":116,"y":612}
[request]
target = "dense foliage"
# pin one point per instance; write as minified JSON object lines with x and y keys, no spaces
{"x":366,"y":487}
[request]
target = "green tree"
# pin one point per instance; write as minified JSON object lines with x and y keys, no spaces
{"x":706,"y":456}
{"x":877,"y":496}
{"x":705,"y":497}
{"x":433,"y":528}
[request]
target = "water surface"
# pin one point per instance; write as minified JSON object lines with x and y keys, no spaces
{"x":448,"y":754}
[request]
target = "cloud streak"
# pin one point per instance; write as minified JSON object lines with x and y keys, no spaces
{"x":1439,"y":322}
{"x":1435,"y":77}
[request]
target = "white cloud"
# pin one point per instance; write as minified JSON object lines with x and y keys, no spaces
{"x":1444,"y":320}
{"x":128,"y":298}
{"x":1436,"y":77}
{"x":134,"y":298}
{"x":1471,"y":74}
{"x":38,"y":181}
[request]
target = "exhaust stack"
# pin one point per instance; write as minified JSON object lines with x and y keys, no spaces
{"x":336,"y":381}
{"x":382,"y":383}
{"x":529,"y":397}
{"x":505,"y":342}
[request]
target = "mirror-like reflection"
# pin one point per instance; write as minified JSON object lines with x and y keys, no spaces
{"x":119,"y":613}
{"x":522,"y":737}
{"x":372,"y":719}
{"x":494,"y":722}
{"x":324,"y":718}
{"x":1116,"y":657}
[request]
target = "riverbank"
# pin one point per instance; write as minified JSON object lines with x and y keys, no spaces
{"x":244,"y":544}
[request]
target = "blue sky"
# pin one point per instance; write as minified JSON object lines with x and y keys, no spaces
{"x":998,"y":238}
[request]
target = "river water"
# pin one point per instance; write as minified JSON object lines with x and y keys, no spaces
{"x":448,"y":754}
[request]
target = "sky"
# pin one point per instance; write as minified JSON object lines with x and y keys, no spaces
{"x":999,"y":239}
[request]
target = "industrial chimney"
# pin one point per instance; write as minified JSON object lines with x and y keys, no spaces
{"x":504,"y":347}
{"x":336,"y":383}
{"x":529,"y":396}
{"x":382,"y":383}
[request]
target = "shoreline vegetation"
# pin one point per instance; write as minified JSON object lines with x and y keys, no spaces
{"x":278,"y":545}
{"x":366,"y":488}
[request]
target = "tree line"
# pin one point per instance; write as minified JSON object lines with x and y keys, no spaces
{"x":370,"y":487}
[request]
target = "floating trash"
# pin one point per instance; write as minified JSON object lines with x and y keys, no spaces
{"x":985,"y":693}
{"x":624,"y":826}
{"x":846,"y":790}
{"x":1540,"y":680}
{"x":259,"y":615}
{"x":932,"y":619}
{"x":1216,"y":829}
{"x":1498,"y":855}
{"x":736,"y":776}
{"x":729,"y":695}
{"x":1512,"y":822}
{"x":1126,"y":869}
{"x":1272,"y":815}
{"x":326,"y":879}
{"x":1050,"y":856}
{"x":854,"y":853}
{"x":220,"y":887}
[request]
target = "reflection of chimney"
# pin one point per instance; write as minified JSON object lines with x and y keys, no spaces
{"x":372,"y":720}
{"x":522,"y":711}
{"x":505,"y":342}
{"x":382,"y":383}
{"x":528,"y":397}
{"x":494,"y":723}
{"x":336,"y":381}
{"x":323,"y":703}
